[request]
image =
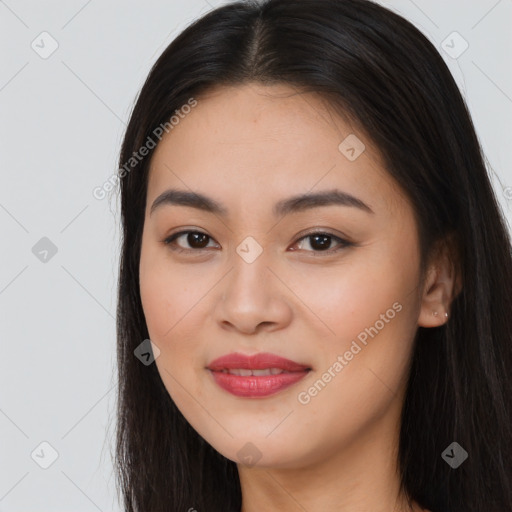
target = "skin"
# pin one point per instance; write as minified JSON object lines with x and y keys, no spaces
{"x":248,"y":147}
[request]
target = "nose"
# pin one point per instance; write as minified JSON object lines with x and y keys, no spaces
{"x":253,"y":299}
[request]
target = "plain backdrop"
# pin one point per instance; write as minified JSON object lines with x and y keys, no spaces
{"x":69,"y":74}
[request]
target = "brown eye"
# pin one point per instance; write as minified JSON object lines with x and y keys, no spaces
{"x":196,"y":240}
{"x":322,"y":242}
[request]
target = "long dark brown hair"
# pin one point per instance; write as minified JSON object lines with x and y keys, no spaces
{"x":377,"y":68}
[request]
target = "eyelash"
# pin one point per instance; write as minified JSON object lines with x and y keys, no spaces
{"x":169,"y":241}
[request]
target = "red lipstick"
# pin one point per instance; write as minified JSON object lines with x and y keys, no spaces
{"x":255,"y":376}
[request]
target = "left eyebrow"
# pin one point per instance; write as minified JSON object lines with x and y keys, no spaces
{"x":290,"y":205}
{"x":325,"y":198}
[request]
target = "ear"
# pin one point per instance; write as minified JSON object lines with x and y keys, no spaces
{"x":442,"y":284}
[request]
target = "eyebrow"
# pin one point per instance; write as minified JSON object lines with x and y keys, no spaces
{"x":290,"y":205}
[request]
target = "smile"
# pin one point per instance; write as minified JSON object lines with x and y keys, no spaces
{"x":255,"y":376}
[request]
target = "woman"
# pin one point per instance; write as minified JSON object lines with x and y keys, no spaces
{"x":313,"y":247}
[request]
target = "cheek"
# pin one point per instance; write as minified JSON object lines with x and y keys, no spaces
{"x":344,"y":398}
{"x":174,"y":301}
{"x":342,"y":301}
{"x":368,"y":312}
{"x":167,"y":293}
{"x":155,"y":285}
{"x":175,"y":315}
{"x":167,"y":304}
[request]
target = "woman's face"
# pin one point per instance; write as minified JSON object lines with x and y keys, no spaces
{"x":343,"y":305}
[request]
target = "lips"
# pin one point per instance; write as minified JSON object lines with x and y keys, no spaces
{"x":258,"y":375}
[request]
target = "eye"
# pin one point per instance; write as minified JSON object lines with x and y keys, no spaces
{"x":197,"y":240}
{"x":321,"y":241}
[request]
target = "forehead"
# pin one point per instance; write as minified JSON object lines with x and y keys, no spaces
{"x":268,"y":141}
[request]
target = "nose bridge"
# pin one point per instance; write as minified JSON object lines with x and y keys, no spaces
{"x":251,"y":293}
{"x":250,"y":273}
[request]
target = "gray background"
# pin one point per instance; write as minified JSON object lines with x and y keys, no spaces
{"x":62,"y":119}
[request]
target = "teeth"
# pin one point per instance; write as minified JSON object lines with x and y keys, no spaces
{"x":266,"y":371}
{"x":244,"y":372}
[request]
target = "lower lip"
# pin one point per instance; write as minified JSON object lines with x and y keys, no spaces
{"x":256,"y":386}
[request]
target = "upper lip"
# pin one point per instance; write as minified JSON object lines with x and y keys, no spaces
{"x":258,"y":361}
